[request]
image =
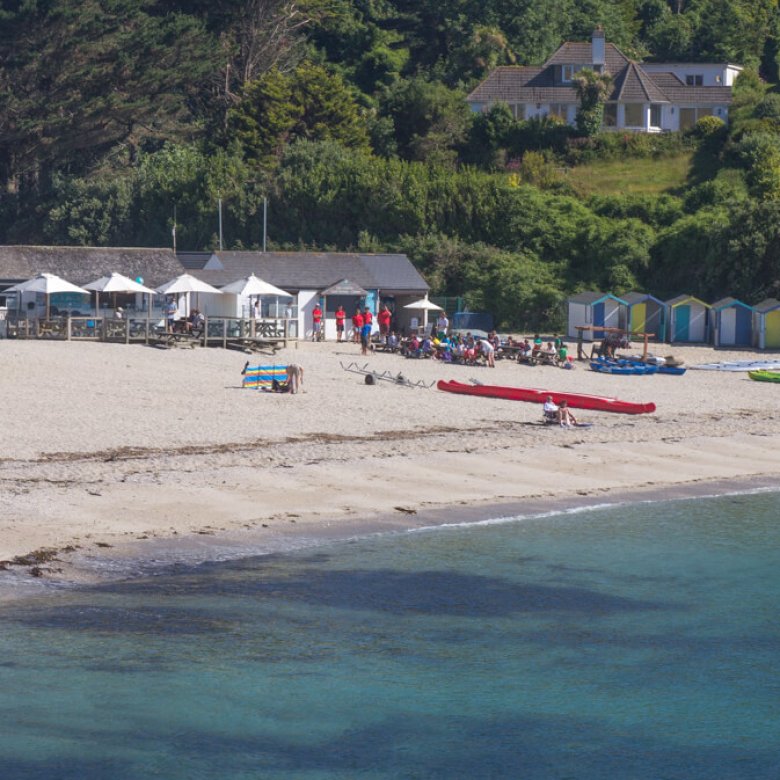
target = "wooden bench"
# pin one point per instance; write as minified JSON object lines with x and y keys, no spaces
{"x":168,"y":339}
{"x":257,"y":344}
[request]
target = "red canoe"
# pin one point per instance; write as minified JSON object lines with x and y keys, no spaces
{"x":575,"y":400}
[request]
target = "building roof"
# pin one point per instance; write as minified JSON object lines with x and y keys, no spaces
{"x":581,"y":53}
{"x":633,"y":85}
{"x":678,"y":92}
{"x":344,"y":287}
{"x":631,"y":82}
{"x":594,"y":296}
{"x":768,"y":304}
{"x":81,"y":265}
{"x":727,"y":303}
{"x":685,"y":298}
{"x":391,"y":273}
{"x":633,"y":298}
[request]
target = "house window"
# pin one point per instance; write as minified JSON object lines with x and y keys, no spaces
{"x":655,"y":115}
{"x":610,"y":115}
{"x":696,"y":80}
{"x":567,"y":72}
{"x":634,"y":115}
{"x":689,"y":116}
{"x":518,"y":110}
{"x":560,"y":110}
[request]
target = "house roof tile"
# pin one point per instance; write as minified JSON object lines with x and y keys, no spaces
{"x":633,"y":85}
{"x":392,"y":273}
{"x":81,"y":265}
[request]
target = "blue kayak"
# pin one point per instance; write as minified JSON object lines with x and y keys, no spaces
{"x":623,"y":369}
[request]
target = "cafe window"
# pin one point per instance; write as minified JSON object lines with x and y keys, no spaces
{"x":610,"y":115}
{"x":634,"y":115}
{"x":690,"y":116}
{"x":655,"y":116}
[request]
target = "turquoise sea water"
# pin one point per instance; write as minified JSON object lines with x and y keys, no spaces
{"x":629,"y":642}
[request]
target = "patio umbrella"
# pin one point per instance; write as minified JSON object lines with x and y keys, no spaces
{"x":186,"y":284}
{"x":254,"y":286}
{"x":48,"y":284}
{"x":425,"y":306}
{"x":115,"y":283}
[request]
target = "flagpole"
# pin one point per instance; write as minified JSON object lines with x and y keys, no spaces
{"x":173,"y":231}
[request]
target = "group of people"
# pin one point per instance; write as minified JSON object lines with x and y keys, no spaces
{"x":456,"y":348}
{"x":555,"y":352}
{"x":362,"y":324}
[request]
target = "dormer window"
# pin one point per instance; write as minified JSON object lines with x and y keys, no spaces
{"x":695,"y":80}
{"x":568,"y":71}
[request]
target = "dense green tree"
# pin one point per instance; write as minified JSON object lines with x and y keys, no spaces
{"x":308,"y":103}
{"x":78,"y":79}
{"x":431,"y":121}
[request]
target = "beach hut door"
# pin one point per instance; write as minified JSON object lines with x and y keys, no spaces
{"x":682,"y":323}
{"x":772,"y":332}
{"x":598,"y":319}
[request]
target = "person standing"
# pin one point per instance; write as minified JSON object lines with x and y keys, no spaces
{"x":171,"y":309}
{"x":357,"y":325}
{"x":384,"y":318}
{"x":341,"y":315}
{"x":442,"y":323}
{"x":316,"y":317}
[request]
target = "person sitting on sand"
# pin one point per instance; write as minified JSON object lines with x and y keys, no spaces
{"x":550,"y":410}
{"x":565,"y":417}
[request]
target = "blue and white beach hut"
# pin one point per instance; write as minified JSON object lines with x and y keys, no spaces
{"x":766,"y":324}
{"x":647,"y":314}
{"x":732,"y":323}
{"x":595,"y":310}
{"x":688,"y":320}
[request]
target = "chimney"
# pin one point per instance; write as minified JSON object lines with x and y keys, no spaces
{"x":598,"y":49}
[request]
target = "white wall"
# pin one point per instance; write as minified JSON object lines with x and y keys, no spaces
{"x":579,"y":314}
{"x":306,"y":301}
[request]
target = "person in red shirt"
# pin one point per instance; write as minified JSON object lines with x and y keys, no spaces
{"x":384,"y":318}
{"x":357,"y":325}
{"x":316,"y":317}
{"x":368,"y":318}
{"x":341,"y":315}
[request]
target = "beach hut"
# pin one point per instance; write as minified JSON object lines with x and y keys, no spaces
{"x":595,"y":310}
{"x":732,"y":323}
{"x":647,"y":314}
{"x":688,"y":320}
{"x":766,"y":320}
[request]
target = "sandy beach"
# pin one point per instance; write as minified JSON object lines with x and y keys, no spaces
{"x":109,"y":445}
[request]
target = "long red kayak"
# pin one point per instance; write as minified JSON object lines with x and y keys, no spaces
{"x":575,"y":400}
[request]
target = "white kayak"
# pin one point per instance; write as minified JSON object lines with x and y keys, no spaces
{"x":740,"y":365}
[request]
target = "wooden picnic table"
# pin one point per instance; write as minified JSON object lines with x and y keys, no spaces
{"x":257,"y":344}
{"x":167,"y":339}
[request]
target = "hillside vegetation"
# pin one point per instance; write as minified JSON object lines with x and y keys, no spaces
{"x":350,"y":117}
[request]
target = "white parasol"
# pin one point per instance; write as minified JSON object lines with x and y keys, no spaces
{"x":425,"y":306}
{"x":115,"y":283}
{"x":186,"y":284}
{"x":48,"y":284}
{"x":255,"y":287}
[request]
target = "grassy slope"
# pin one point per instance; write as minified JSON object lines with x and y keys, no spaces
{"x":630,"y":176}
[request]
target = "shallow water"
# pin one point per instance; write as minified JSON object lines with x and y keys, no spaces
{"x":630,"y":642}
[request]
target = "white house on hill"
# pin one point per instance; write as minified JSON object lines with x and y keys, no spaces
{"x":645,"y":97}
